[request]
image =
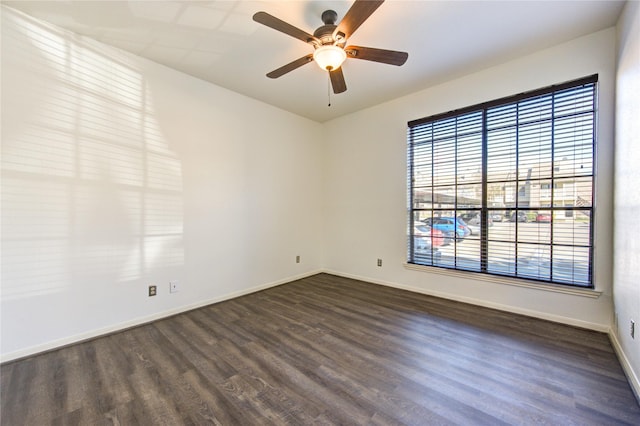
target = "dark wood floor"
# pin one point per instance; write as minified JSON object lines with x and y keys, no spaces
{"x":327,"y":350}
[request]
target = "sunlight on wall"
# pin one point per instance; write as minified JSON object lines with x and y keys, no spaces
{"x":91,"y":190}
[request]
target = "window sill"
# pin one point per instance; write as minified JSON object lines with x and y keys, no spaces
{"x":518,"y":282}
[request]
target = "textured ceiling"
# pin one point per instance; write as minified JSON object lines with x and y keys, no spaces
{"x":218,"y":41}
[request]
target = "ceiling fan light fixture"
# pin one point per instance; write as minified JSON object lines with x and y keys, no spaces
{"x":329,"y":57}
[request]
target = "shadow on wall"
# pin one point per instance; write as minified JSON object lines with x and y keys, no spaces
{"x":91,"y":191}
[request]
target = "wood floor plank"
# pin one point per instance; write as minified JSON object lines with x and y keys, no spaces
{"x":327,"y":350}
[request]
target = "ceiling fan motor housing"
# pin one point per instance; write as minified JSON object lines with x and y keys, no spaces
{"x":325,"y":32}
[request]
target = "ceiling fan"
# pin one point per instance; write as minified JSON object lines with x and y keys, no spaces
{"x":329,"y":42}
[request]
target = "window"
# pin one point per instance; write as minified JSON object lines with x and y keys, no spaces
{"x":506,"y":187}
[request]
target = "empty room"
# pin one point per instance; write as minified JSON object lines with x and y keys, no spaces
{"x":320,"y":212}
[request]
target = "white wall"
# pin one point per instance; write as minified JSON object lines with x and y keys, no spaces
{"x":118,"y":172}
{"x":366,"y":182}
{"x":626,"y":287}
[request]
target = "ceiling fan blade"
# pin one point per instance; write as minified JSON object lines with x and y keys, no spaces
{"x":337,"y":81}
{"x":291,"y":66}
{"x":391,"y":57}
{"x":358,"y":13}
{"x":279,"y":25}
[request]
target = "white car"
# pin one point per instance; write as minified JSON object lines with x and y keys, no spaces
{"x":422,"y":243}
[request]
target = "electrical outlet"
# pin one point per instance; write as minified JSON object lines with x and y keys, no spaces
{"x":632,"y":329}
{"x":379,"y":262}
{"x":297,"y":259}
{"x":174,"y":286}
{"x":152,"y":290}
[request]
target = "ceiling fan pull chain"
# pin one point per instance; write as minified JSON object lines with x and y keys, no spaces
{"x":329,"y":89}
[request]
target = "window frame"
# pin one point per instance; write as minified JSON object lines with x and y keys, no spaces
{"x":485,"y":210}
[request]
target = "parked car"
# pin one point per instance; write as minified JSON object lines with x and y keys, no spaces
{"x":496,"y":217}
{"x":543,"y":218}
{"x":447,"y":236}
{"x":521,"y":217}
{"x":421,"y":245}
{"x":435,"y":236}
{"x":449,"y":224}
{"x":472,"y":220}
{"x":425,"y":242}
{"x":423,"y":253}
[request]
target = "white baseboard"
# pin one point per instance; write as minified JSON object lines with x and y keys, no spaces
{"x":479,"y":302}
{"x":66,"y":341}
{"x":632,"y":377}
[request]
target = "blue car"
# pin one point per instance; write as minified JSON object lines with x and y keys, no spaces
{"x":449,"y":225}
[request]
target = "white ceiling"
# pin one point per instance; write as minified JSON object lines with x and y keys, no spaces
{"x":218,"y":41}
